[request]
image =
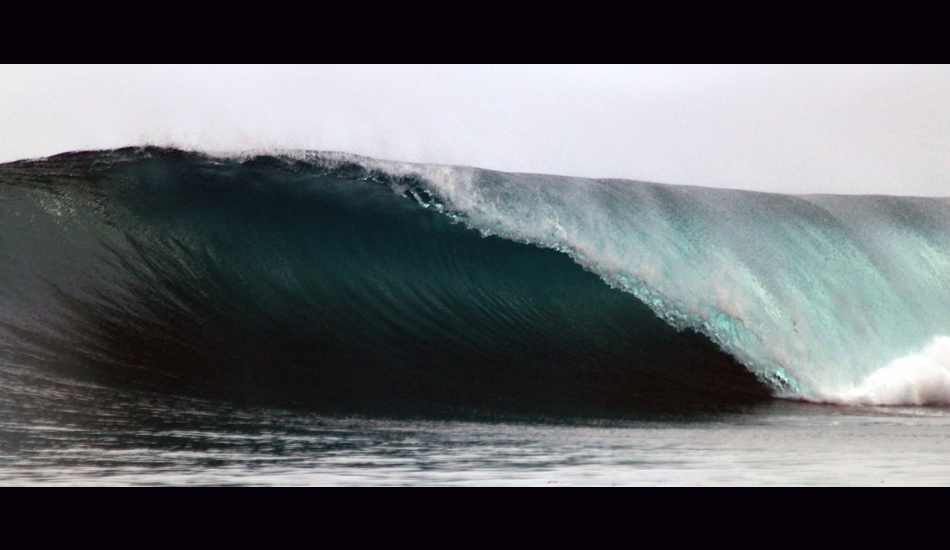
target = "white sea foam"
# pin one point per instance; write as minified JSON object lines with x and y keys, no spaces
{"x":919,"y":379}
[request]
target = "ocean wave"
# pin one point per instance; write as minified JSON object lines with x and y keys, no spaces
{"x":309,"y":278}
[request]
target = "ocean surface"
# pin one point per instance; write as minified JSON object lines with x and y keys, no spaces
{"x":54,"y":434}
{"x":172,"y":317}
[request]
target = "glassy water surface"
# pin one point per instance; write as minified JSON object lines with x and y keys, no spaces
{"x":57,"y":433}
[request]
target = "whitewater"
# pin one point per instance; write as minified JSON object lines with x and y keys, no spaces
{"x":825,"y":298}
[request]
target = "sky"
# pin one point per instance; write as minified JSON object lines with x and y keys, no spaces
{"x":788,"y":129}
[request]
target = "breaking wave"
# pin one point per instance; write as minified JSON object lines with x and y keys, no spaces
{"x":343,"y":283}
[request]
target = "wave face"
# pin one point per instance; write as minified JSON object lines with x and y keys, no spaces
{"x":342,"y":283}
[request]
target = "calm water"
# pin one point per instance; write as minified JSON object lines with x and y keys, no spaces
{"x":54,"y":433}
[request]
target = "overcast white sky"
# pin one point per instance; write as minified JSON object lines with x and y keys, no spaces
{"x":787,"y":129}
